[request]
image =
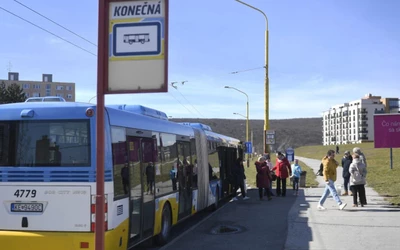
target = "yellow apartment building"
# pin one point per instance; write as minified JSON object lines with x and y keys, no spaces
{"x":46,"y":87}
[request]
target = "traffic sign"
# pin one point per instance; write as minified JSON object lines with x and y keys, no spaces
{"x":290,"y":154}
{"x":137,"y":46}
{"x":270,"y":137}
{"x":249,"y":147}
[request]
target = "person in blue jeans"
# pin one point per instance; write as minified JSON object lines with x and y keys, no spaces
{"x":329,"y":171}
{"x":296,"y":170}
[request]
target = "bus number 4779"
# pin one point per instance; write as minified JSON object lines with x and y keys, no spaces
{"x":25,"y":193}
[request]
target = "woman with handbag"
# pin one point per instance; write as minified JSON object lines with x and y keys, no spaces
{"x":263,"y":178}
{"x":357,"y":171}
{"x":283,"y":171}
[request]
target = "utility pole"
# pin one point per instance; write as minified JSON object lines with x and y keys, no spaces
{"x":252,"y":144}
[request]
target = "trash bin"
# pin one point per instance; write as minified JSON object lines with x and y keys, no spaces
{"x":303,"y":178}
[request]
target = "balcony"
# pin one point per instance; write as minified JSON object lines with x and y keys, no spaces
{"x":363,"y":137}
{"x":379,"y":112}
{"x":362,"y":124}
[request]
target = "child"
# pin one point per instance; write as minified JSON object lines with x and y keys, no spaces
{"x":296,"y":170}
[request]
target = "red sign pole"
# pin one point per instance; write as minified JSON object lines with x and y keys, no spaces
{"x":101,"y":82}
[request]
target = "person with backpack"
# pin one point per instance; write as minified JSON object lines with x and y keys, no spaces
{"x":363,"y":159}
{"x":330,"y":171}
{"x":358,"y":171}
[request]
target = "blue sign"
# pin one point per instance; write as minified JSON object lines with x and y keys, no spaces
{"x":290,"y":154}
{"x":249,"y":147}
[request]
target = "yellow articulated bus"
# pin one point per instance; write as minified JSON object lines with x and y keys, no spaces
{"x":157,"y":173}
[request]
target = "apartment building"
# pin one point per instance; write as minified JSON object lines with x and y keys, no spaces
{"x":353,"y":122}
{"x":46,"y":87}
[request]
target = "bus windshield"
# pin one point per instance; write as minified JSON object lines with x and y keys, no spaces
{"x":45,"y":143}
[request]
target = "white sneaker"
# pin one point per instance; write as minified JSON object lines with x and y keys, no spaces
{"x":320,"y":207}
{"x":343,"y":205}
{"x":246,"y":198}
{"x":234,"y":199}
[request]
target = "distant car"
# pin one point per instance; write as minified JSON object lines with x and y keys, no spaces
{"x":46,"y":99}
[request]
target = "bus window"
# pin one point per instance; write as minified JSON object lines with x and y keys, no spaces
{"x":45,"y":143}
{"x":166,"y":182}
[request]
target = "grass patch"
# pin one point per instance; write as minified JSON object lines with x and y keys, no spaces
{"x":251,"y":173}
{"x":380,"y":177}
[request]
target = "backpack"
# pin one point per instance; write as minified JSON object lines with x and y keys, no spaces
{"x":320,"y":171}
{"x":358,"y":178}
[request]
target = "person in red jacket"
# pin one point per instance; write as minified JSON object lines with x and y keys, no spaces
{"x":263,"y":178}
{"x":283,"y":171}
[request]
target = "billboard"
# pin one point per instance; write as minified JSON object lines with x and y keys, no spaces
{"x":387,"y":131}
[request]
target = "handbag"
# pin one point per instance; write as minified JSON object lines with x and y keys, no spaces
{"x":273,"y":176}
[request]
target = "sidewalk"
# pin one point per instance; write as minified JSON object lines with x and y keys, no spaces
{"x":293,"y":222}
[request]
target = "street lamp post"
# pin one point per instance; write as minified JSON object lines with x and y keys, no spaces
{"x":266,"y":115}
{"x":247,"y":118}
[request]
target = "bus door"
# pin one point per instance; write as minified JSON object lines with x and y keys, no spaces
{"x":185,"y":168}
{"x":141,"y":159}
{"x":136,"y":194}
{"x":224,"y":175}
{"x":149,"y":160}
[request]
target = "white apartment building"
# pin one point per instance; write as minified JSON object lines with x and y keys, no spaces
{"x":353,"y":122}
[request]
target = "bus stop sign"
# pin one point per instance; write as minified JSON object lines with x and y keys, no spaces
{"x":249,"y":147}
{"x":290,"y":154}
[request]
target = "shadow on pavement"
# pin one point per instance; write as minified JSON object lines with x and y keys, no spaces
{"x":250,"y":224}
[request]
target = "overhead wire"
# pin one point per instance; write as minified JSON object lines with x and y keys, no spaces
{"x":37,"y":26}
{"x":188,"y":100}
{"x":181,"y":103}
{"x":29,"y":8}
{"x":245,"y":70}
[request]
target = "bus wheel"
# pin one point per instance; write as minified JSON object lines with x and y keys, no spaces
{"x":166,"y":221}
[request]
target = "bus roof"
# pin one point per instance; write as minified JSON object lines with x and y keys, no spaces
{"x":77,"y":110}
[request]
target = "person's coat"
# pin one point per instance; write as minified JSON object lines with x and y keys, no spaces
{"x":263,"y":175}
{"x":329,"y":171}
{"x":282,"y":168}
{"x":238,"y":174}
{"x":357,"y":166}
{"x":346,"y":161}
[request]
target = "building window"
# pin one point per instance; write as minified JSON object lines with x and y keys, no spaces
{"x":69,"y":96}
{"x":60,"y":87}
{"x":60,"y":95}
{"x":68,"y":88}
{"x":48,"y":86}
{"x":26,"y":95}
{"x":26,"y":86}
{"x":36,"y":94}
{"x":36,"y":86}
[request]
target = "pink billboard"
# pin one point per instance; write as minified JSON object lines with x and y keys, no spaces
{"x":387,"y":131}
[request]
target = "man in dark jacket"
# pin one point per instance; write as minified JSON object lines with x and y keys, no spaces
{"x":238,"y":178}
{"x":346,"y":161}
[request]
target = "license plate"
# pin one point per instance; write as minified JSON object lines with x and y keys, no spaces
{"x":26,"y":207}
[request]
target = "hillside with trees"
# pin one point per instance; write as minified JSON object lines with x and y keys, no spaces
{"x":289,"y":132}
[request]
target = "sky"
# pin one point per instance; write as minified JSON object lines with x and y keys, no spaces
{"x":321,"y":53}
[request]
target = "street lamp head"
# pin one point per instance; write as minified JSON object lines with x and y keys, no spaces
{"x":227,"y":87}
